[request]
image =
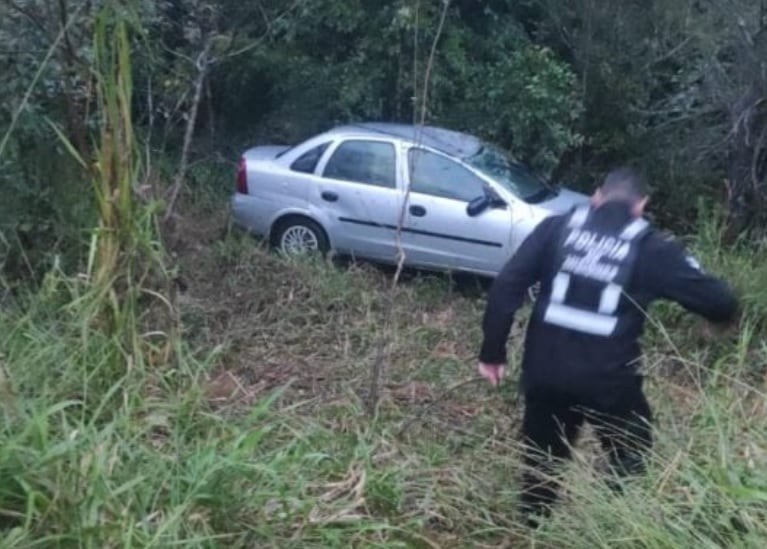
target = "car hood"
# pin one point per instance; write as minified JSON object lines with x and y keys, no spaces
{"x":563,"y":201}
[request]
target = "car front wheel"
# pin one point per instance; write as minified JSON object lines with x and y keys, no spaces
{"x":299,"y":236}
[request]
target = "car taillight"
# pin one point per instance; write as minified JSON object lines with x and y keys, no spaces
{"x":242,"y":177}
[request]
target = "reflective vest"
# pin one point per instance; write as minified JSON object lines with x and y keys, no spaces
{"x":594,"y":267}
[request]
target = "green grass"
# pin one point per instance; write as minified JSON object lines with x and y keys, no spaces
{"x":258,"y":434}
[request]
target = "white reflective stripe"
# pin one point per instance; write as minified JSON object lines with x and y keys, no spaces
{"x":580,"y":320}
{"x":579,"y":217}
{"x":634,"y":228}
{"x":559,"y":287}
{"x":609,"y":300}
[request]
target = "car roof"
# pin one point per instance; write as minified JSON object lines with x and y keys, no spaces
{"x":448,"y":141}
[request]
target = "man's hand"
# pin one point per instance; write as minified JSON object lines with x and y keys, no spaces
{"x":492,"y":372}
{"x":712,"y":331}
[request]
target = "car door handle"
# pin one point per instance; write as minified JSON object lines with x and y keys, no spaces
{"x":418,"y":211}
{"x":329,"y":196}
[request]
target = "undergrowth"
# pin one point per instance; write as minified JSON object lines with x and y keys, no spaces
{"x":257,"y":434}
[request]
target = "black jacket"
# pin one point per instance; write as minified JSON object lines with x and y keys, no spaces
{"x":563,"y":358}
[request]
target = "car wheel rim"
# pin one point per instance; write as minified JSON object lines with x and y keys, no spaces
{"x":299,"y":239}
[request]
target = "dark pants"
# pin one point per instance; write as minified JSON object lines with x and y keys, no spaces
{"x":621,"y":418}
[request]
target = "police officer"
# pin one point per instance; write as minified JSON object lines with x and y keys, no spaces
{"x":599,"y":267}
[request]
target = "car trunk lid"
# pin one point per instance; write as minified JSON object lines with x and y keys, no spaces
{"x":265,"y":152}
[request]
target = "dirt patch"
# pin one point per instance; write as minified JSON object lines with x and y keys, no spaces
{"x":319,"y":327}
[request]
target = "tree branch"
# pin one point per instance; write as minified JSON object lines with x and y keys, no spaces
{"x":203,"y":65}
{"x":257,"y":42}
{"x":267,"y":23}
{"x":669,"y":54}
{"x":377,"y":367}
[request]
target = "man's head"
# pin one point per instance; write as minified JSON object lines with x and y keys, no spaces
{"x":622,"y":185}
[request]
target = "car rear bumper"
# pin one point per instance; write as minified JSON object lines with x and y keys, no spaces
{"x":252,"y":213}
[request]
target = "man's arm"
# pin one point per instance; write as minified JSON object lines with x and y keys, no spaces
{"x":681,"y":279}
{"x":509,"y":289}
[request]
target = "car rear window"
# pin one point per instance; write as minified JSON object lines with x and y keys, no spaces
{"x":307,"y":162}
{"x":367,"y":162}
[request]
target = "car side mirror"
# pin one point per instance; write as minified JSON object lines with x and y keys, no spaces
{"x":478,"y":205}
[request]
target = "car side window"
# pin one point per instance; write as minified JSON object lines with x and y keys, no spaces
{"x":437,"y":175}
{"x":368,"y":162}
{"x":307,"y":162}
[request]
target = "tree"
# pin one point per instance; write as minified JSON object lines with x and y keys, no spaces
{"x":676,"y":86}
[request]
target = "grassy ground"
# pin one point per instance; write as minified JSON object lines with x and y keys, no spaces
{"x":259,"y":436}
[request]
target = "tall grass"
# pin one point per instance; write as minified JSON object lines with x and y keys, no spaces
{"x":258,"y":436}
{"x":162,"y":458}
{"x":151,"y":468}
{"x":126,"y":259}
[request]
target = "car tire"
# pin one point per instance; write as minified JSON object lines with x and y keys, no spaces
{"x":299,"y":236}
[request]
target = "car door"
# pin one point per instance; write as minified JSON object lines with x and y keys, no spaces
{"x":439,"y":231}
{"x":360,"y":195}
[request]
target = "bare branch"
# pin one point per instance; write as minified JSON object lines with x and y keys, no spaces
{"x":669,"y":54}
{"x":419,"y":126}
{"x":378,"y":363}
{"x":265,"y":17}
{"x":202,"y":63}
{"x":177,"y":53}
{"x":430,"y":63}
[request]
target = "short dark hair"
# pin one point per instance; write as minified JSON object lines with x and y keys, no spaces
{"x":624,"y":183}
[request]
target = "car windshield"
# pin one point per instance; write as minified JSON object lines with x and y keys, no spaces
{"x":519,"y":180}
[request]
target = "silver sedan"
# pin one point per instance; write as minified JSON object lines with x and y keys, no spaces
{"x":447,"y":200}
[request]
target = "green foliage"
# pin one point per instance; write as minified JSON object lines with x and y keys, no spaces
{"x":676,"y":87}
{"x":571,"y":87}
{"x":46,"y":205}
{"x":486,"y":77}
{"x":531,"y":100}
